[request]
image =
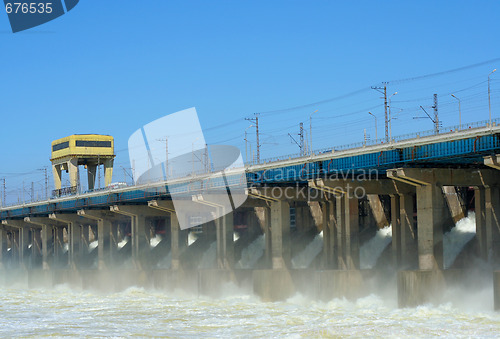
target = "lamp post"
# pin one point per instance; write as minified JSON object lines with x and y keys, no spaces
{"x":489,"y":99}
{"x":390,"y":118}
{"x":459,"y":113}
{"x":376,"y":137}
{"x":310,"y":131}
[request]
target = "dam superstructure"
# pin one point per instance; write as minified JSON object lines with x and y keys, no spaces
{"x":420,"y":184}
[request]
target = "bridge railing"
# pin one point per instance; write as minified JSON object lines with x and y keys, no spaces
{"x":408,"y":136}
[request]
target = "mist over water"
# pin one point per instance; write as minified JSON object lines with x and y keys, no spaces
{"x":251,"y":254}
{"x":455,"y":240}
{"x":371,"y":250}
{"x":209,"y":258}
{"x":305,"y":258}
{"x":465,"y":311}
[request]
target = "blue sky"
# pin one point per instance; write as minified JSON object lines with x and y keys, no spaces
{"x":112,"y":66}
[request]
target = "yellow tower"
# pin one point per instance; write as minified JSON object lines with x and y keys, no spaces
{"x":89,"y":150}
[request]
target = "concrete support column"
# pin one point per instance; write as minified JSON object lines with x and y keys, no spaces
{"x":73,"y":172}
{"x":36,"y":247}
{"x":404,"y":240}
{"x":339,"y":230}
{"x":225,"y":244}
{"x":175,"y":245}
{"x":58,"y":241}
{"x":108,"y":171}
{"x":24,"y":233}
{"x":280,"y":234}
{"x":103,"y":243}
{"x":3,"y":246}
{"x":396,"y":230}
{"x":351,"y":233}
{"x":409,"y":257}
{"x":45,"y":250}
{"x":492,"y":204}
{"x":481,"y":233}
{"x":377,"y":210}
{"x":348,"y":232}
{"x":57,"y":174}
{"x":114,"y":239}
{"x":75,"y":244}
{"x":264,"y":216}
{"x":91,"y":175}
{"x":84,"y":240}
{"x":140,"y":241}
{"x":430,"y":214}
{"x":456,"y":210}
{"x":329,"y":239}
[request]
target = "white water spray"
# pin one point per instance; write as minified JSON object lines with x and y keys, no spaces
{"x":209,"y":257}
{"x":306,"y":257}
{"x":456,"y":239}
{"x":166,"y":262}
{"x":93,"y":245}
{"x":251,"y":254}
{"x":153,"y":242}
{"x":373,"y":248}
{"x":191,"y":238}
{"x":122,"y":243}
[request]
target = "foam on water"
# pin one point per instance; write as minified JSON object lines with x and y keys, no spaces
{"x":141,"y":312}
{"x":373,"y":248}
{"x":251,"y":254}
{"x":306,"y":257}
{"x":455,"y":240}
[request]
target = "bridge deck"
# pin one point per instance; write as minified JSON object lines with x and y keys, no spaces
{"x":455,"y":148}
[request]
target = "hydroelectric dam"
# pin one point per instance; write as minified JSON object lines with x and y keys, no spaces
{"x":301,"y":228}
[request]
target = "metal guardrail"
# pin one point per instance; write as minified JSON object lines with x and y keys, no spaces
{"x":409,"y":136}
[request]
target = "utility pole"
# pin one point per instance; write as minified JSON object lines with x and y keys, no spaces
{"x":373,"y":115}
{"x":4,"y":194}
{"x":46,"y":182}
{"x":436,"y":116}
{"x":301,"y":135}
{"x":206,"y":160}
{"x":310,"y":132}
{"x":256,"y":122}
{"x":166,"y":156}
{"x":459,"y":113}
{"x":489,"y":98}
{"x":383,"y":90}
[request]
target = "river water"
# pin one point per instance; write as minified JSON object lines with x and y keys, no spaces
{"x":136,"y":312}
{"x":62,"y":312}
